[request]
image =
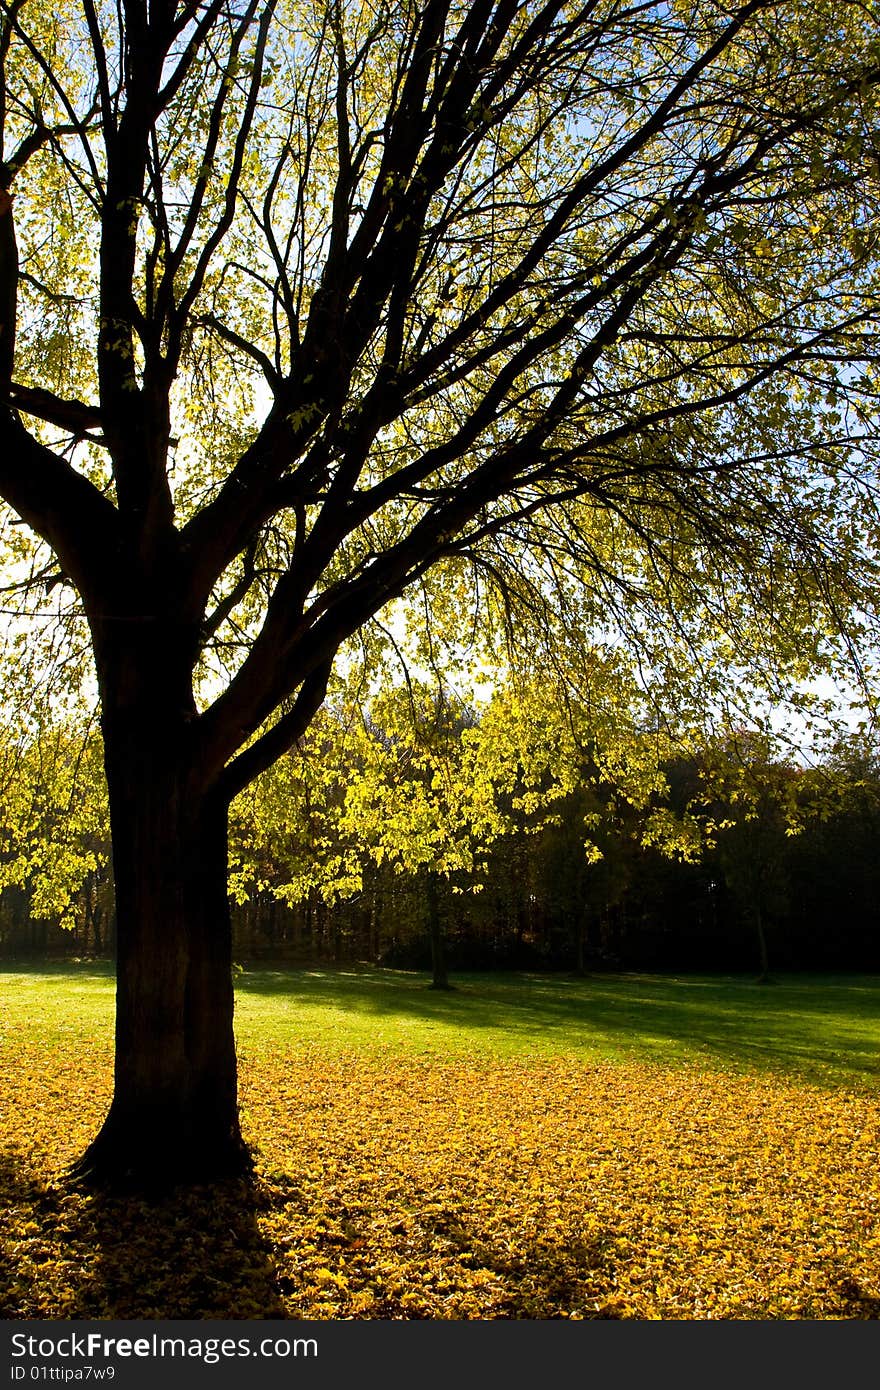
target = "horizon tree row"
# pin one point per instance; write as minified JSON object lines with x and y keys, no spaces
{"x":727,"y":859}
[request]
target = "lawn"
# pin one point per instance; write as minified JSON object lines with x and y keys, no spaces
{"x":527,"y":1146}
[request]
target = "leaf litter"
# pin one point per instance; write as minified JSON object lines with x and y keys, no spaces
{"x":393,"y":1187}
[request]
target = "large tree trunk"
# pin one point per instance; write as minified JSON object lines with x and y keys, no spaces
{"x":174,"y":1114}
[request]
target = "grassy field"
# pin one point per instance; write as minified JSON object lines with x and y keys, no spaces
{"x":526,"y":1146}
{"x":821,"y":1028}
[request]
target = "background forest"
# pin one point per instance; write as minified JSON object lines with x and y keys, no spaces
{"x":426,"y":834}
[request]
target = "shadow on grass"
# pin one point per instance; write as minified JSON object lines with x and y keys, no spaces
{"x":823,"y":1028}
{"x":193,"y":1254}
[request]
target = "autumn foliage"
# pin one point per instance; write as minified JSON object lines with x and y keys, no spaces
{"x":394,"y":1186}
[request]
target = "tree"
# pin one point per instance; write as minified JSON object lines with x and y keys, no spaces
{"x":52,"y":823}
{"x":420,"y":800}
{"x":754,"y":801}
{"x":316,"y":302}
{"x":54,"y":835}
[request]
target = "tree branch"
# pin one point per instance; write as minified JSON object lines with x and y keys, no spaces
{"x":62,"y":506}
{"x":71,"y":415}
{"x":270,"y":746}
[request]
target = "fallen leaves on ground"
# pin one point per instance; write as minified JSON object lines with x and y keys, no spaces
{"x":403,"y":1188}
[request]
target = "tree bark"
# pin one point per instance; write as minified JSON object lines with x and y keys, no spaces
{"x":174,"y":1114}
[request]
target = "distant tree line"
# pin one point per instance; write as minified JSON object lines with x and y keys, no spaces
{"x":782,"y":871}
{"x":759,"y":898}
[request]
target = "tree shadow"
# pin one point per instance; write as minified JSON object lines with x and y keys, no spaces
{"x":194,"y":1253}
{"x":854,"y":1300}
{"x":550,"y":1278}
{"x":577,"y":1273}
{"x":21,"y":1195}
{"x":820,"y":1028}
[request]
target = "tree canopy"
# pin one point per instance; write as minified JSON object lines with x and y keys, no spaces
{"x":328,"y":295}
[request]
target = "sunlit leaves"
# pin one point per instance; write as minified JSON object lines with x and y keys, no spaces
{"x":422,"y":777}
{"x":53,"y":818}
{"x":466,"y":1189}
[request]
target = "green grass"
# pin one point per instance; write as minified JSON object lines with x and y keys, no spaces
{"x":820,"y":1028}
